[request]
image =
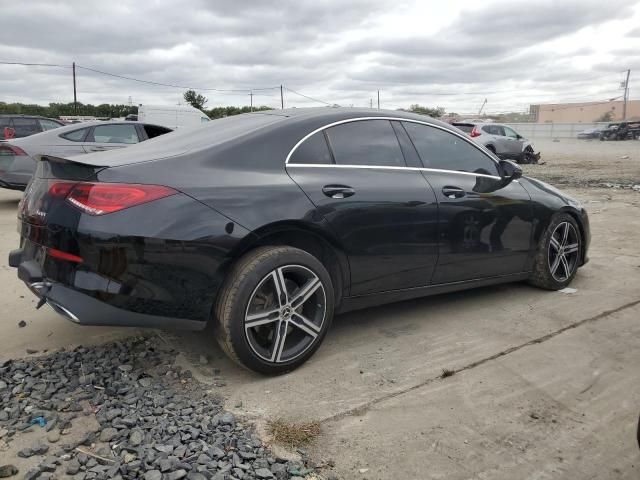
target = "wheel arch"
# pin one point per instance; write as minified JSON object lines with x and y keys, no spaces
{"x":583,"y":234}
{"x":312,"y":240}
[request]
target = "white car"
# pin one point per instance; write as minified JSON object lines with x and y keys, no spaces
{"x":17,"y":156}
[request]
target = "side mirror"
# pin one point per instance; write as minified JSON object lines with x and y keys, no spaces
{"x":509,"y":170}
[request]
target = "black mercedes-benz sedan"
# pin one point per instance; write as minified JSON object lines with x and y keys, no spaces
{"x":267,"y":224}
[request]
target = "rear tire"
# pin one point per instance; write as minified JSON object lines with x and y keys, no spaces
{"x":274,"y":309}
{"x":559,"y":254}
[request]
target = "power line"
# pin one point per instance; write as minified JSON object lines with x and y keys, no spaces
{"x":36,"y":64}
{"x":149,"y":82}
{"x":306,"y":96}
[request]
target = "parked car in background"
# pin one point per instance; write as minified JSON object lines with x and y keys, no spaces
{"x":500,"y":139}
{"x":172,"y":116}
{"x":19,"y":126}
{"x":266,"y":224}
{"x":590,"y":133}
{"x":628,"y":130}
{"x":17,"y":156}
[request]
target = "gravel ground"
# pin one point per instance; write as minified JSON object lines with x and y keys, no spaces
{"x":123,"y":410}
{"x":587,"y":163}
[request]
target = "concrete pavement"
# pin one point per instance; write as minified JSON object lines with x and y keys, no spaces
{"x":524,"y":353}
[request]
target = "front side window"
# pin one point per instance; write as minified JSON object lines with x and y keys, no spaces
{"x":115,"y":134}
{"x":445,"y":151}
{"x":314,"y":150}
{"x":49,"y":124}
{"x":365,"y":142}
{"x":76,"y":135}
{"x":510,"y":133}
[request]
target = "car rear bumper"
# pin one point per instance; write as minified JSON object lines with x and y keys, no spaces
{"x":84,"y":309}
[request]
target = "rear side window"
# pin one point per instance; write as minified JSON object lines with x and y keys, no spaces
{"x":115,"y":134}
{"x":76,"y":135}
{"x":314,"y":150}
{"x":25,"y":126}
{"x":445,"y":151}
{"x":365,"y":142}
{"x":49,"y":124}
{"x":153,"y":131}
{"x":494,"y":130}
{"x":4,"y":122}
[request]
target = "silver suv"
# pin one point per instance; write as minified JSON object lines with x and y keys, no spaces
{"x":502,"y":140}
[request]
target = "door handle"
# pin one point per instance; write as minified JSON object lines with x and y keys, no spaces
{"x":453,"y":192}
{"x":97,"y":149}
{"x":338,"y":191}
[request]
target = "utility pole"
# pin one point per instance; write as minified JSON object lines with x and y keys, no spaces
{"x":251,"y":96}
{"x":371,"y":103}
{"x":378,"y":99}
{"x":281,"y":98}
{"x":75,"y":99}
{"x":626,"y":96}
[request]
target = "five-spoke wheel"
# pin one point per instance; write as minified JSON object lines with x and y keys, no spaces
{"x":564,"y":251}
{"x":274,"y":309}
{"x":285,"y":313}
{"x":559,"y":253}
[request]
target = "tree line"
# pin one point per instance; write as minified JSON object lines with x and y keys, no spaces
{"x":55,"y":110}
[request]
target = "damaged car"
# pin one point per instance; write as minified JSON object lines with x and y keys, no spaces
{"x":501,"y":140}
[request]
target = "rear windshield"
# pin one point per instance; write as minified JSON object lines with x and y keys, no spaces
{"x":183,"y":140}
{"x":465,"y":127}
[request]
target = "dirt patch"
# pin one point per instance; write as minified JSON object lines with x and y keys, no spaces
{"x":587,"y":163}
{"x":293,"y":435}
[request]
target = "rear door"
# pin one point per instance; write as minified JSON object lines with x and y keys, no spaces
{"x":513,"y":141}
{"x":498,"y":139}
{"x":111,"y":136}
{"x":485,"y":225}
{"x":68,"y":143}
{"x":383,"y":213}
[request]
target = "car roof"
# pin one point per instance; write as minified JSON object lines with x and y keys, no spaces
{"x":20,"y":115}
{"x":289,"y":123}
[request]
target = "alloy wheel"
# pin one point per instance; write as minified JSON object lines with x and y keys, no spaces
{"x":285,"y":314}
{"x":564,"y":251}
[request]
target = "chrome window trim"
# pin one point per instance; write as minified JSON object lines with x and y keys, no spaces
{"x":399,"y":119}
{"x":374,"y":167}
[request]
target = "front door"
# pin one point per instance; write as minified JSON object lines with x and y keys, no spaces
{"x":383,"y":214}
{"x":485,"y":223}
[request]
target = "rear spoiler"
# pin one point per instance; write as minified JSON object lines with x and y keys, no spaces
{"x":53,"y":159}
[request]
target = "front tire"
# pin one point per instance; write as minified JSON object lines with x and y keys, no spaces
{"x":558,"y":256}
{"x":274,"y":309}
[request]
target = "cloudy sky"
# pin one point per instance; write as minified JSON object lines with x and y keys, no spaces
{"x":437,"y":53}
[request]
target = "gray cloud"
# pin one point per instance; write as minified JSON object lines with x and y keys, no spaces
{"x":326,"y":48}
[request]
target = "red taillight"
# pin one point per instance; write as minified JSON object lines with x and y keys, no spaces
{"x":9,"y":133}
{"x":8,"y":149}
{"x":103,"y":198}
{"x":475,"y":132}
{"x":60,"y":189}
{"x":60,"y":255}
